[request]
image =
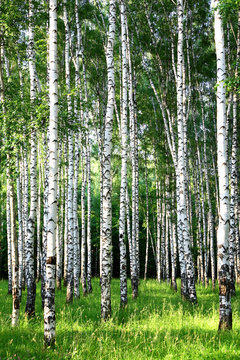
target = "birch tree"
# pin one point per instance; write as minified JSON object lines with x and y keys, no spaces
{"x":123,"y":129}
{"x":106,"y":236}
{"x":70,"y":164}
{"x":49,"y":305}
{"x":225,"y":309}
{"x":30,"y":278}
{"x":181,"y":168}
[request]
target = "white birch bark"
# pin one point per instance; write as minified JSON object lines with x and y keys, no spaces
{"x":20,"y":229}
{"x":8,"y":216}
{"x":225,"y":309}
{"x":45,"y":216}
{"x":234,"y":176}
{"x":39,"y":217}
{"x":25,"y":211}
{"x":137,"y":172}
{"x":14,"y":253}
{"x":30,"y":279}
{"x":147,"y":219}
{"x":107,"y":183}
{"x":59,"y":225}
{"x":70,"y":245}
{"x":60,"y":232}
{"x":129,"y":233}
{"x":65,"y":214}
{"x":83,"y":222}
{"x":158,"y":256}
{"x":76,"y":257}
{"x":168,"y":225}
{"x":123,"y":130}
{"x":134,"y":278}
{"x":89,"y":244}
{"x":173,"y":242}
{"x":181,"y":168}
{"x":49,"y":304}
{"x":163,"y":236}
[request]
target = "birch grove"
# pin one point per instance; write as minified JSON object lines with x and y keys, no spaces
{"x":119,"y":152}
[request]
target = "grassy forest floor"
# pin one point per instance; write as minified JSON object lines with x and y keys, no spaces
{"x":159,"y":325}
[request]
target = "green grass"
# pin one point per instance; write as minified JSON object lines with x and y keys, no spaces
{"x":158,"y":325}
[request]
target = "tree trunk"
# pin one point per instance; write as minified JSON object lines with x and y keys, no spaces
{"x":20,"y":230}
{"x":70,"y":164}
{"x":107,"y":183}
{"x":49,"y":304}
{"x":181,"y":168}
{"x":30,"y":278}
{"x":225,"y":309}
{"x":124,"y":133}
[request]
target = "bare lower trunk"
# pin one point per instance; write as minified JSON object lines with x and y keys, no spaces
{"x":14,"y":251}
{"x":8,"y":216}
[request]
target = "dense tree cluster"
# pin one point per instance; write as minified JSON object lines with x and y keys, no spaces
{"x":119,"y":148}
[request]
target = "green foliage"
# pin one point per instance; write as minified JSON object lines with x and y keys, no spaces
{"x":229,"y":7}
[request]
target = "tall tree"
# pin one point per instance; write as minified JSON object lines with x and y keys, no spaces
{"x":106,"y":236}
{"x":30,"y":276}
{"x":225,"y":309}
{"x":183,"y":224}
{"x":49,"y":305}
{"x":123,"y":130}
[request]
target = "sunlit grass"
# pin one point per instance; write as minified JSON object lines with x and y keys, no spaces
{"x":158,"y":325}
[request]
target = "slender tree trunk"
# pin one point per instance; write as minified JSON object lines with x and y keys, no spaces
{"x":129,"y":234}
{"x":173,"y":242}
{"x":60,"y":232}
{"x":168,"y":225}
{"x":25,"y":211}
{"x":147,"y":219}
{"x":225,"y":309}
{"x":14,"y":251}
{"x":107,"y":183}
{"x":76,"y":256}
{"x":45,"y":217}
{"x":124,"y":132}
{"x":20,"y":230}
{"x":30,"y":278}
{"x":70,"y":244}
{"x":163,"y":236}
{"x":83,"y":232}
{"x":158,"y":231}
{"x":233,"y":234}
{"x":49,"y":304}
{"x":134,"y":279}
{"x":39,"y":218}
{"x":8,"y":216}
{"x":181,"y":169}
{"x":65,"y":216}
{"x":89,"y":240}
{"x":234,"y":163}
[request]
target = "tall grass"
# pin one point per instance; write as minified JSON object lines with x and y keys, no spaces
{"x":158,"y":325}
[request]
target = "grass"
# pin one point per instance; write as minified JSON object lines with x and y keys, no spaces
{"x":158,"y":325}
